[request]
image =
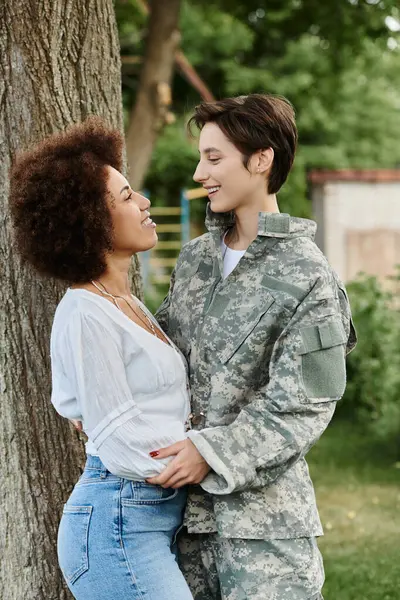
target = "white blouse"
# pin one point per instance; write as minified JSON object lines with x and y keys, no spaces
{"x":127,"y":387}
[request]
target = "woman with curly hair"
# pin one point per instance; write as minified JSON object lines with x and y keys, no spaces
{"x":77,"y":219}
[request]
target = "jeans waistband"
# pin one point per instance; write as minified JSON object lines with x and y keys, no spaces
{"x":94,"y":462}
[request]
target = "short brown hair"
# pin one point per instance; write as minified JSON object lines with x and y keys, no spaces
{"x":255,"y":122}
{"x":58,"y":205}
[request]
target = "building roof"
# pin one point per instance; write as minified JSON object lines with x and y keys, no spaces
{"x":359,"y":175}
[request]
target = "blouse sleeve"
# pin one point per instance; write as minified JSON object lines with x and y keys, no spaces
{"x":62,"y":396}
{"x":91,"y":357}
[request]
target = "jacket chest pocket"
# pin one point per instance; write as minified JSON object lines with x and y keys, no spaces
{"x":192,"y":286}
{"x":235,"y":326}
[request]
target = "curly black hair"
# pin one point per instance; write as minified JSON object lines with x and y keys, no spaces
{"x":58,"y":193}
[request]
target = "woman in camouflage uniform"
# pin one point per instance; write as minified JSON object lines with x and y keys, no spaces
{"x":265,"y":325}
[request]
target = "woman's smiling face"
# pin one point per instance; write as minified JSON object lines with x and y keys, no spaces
{"x":133,"y":229}
{"x":222,"y":172}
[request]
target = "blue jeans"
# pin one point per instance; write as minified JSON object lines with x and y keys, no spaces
{"x":116,"y":539}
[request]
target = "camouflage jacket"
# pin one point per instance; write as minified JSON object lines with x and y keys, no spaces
{"x":266,"y":353}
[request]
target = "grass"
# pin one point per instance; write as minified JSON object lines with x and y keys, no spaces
{"x":358,"y":492}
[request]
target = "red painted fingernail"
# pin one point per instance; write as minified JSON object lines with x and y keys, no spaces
{"x":154,"y":454}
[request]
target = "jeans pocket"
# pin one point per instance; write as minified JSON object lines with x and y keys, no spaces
{"x":146,"y":493}
{"x":73,"y":534}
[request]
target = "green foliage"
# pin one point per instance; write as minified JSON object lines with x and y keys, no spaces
{"x":131,"y":23}
{"x":341,"y":25}
{"x":373,"y":389}
{"x":210,"y":35}
{"x":173,"y":164}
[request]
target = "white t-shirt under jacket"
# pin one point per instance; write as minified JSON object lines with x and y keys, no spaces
{"x":127,"y":387}
{"x":231,"y":258}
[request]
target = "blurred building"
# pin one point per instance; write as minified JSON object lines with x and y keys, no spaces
{"x":358,"y":216}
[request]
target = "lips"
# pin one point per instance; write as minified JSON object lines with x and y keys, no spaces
{"x":213,"y":190}
{"x":148,"y":223}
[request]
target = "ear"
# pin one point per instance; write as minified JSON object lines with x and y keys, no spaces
{"x":265,"y":160}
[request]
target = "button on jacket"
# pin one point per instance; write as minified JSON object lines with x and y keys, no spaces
{"x":266,"y":351}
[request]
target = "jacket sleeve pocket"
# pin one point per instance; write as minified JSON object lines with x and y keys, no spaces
{"x":323,"y":366}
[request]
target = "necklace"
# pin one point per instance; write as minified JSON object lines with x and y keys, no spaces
{"x":225,"y":242}
{"x":147,"y":322}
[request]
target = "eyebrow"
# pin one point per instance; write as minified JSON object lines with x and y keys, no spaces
{"x":211,"y":149}
{"x":126,"y":187}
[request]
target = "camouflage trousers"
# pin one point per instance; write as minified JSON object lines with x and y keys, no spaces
{"x":218,"y":568}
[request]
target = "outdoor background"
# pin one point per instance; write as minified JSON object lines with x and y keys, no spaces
{"x":143,"y":66}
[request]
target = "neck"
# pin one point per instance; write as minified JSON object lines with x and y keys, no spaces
{"x":116,"y":277}
{"x":246,"y":220}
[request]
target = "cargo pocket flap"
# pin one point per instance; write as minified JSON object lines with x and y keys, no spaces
{"x":323,"y":335}
{"x":323,"y":366}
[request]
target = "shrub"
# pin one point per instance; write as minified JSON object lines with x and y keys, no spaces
{"x":373,"y":390}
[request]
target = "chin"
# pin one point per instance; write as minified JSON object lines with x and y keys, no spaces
{"x":219,"y":206}
{"x":147,"y":244}
{"x":153,"y":241}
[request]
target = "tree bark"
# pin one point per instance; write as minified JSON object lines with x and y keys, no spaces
{"x":59,"y":61}
{"x":151,"y":108}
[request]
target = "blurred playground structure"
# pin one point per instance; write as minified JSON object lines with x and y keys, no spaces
{"x":174,"y":230}
{"x":357,"y":213}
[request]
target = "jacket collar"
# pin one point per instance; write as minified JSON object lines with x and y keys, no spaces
{"x":276,"y":225}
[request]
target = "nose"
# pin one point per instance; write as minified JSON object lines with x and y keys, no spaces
{"x":143,"y":202}
{"x":200,"y":175}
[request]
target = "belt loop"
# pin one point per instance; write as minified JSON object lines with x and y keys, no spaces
{"x":103,"y":472}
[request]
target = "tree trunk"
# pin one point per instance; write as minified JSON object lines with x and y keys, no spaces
{"x":59,"y":61}
{"x":150,"y":111}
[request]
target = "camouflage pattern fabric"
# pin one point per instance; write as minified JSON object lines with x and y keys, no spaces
{"x":234,"y":569}
{"x":266,"y":352}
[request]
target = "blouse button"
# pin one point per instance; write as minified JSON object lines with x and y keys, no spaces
{"x":196,"y":419}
